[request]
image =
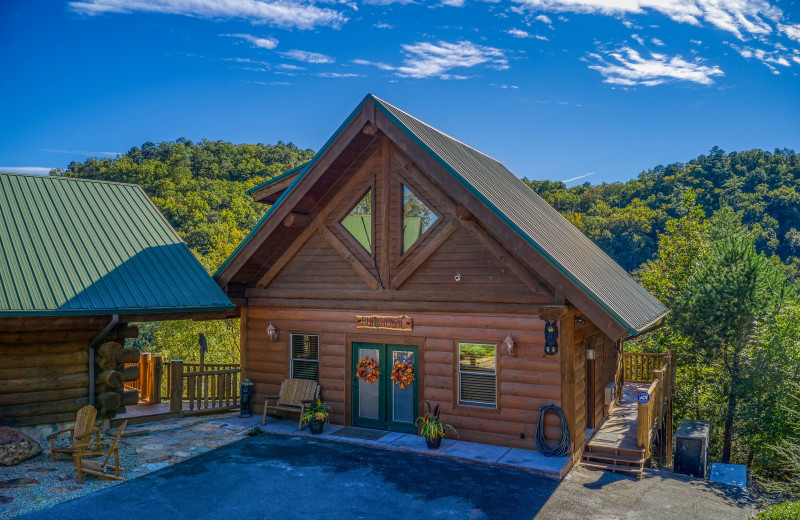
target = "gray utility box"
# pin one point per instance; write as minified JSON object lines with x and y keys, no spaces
{"x":691,"y":448}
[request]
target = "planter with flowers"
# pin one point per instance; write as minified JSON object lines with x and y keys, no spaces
{"x":432,"y":428}
{"x":316,"y":416}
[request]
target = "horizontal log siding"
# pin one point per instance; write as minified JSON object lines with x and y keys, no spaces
{"x":317,"y":266}
{"x":480,"y":271}
{"x":44,"y":374}
{"x":525,"y":382}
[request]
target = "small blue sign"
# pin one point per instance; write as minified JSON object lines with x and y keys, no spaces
{"x":643,"y":397}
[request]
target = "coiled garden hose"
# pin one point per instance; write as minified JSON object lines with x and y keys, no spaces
{"x":564,"y":445}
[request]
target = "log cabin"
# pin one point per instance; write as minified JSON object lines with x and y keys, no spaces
{"x":398,"y":246}
{"x":79,"y":261}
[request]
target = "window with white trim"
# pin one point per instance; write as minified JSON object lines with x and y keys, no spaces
{"x":477,"y":374}
{"x":305,"y":356}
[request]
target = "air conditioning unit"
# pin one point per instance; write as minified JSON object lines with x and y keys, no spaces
{"x":691,"y":448}
{"x":611,"y":393}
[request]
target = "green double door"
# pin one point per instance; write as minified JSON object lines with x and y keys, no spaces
{"x":383,"y":404}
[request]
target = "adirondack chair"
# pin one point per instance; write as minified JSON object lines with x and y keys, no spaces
{"x":81,"y":433}
{"x":100,"y":467}
{"x":295,"y":395}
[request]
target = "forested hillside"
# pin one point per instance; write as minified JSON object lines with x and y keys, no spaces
{"x":625,"y":219}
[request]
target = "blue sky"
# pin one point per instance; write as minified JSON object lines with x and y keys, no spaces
{"x":569,"y":90}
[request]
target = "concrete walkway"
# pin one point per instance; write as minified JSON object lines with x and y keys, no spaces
{"x":526,"y":460}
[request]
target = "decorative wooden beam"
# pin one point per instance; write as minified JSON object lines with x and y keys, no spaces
{"x":553,"y":312}
{"x":340,"y":248}
{"x":423,"y":255}
{"x":297,"y":220}
{"x":369,"y":129}
{"x":315,"y":224}
{"x":385,"y":206}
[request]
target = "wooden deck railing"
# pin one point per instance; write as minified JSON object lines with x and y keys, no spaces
{"x":150,"y":376}
{"x":190,"y":367}
{"x":216,"y":386}
{"x":639,"y":367}
{"x":662,"y":388}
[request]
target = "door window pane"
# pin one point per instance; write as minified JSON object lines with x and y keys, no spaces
{"x":369,"y":406}
{"x":403,"y":398}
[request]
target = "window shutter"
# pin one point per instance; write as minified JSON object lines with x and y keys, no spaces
{"x":477,"y":374}
{"x":305,"y":356}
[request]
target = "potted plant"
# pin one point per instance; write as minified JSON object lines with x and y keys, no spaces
{"x":432,"y":428}
{"x":316,"y":416}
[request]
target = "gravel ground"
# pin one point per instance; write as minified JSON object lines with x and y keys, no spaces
{"x":57,"y":482}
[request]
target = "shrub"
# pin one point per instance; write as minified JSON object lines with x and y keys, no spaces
{"x":785,"y":511}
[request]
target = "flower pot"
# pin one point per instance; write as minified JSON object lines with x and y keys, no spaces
{"x":433,"y":444}
{"x":316,"y":427}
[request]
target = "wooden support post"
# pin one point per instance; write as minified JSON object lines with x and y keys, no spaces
{"x":144,"y":376}
{"x":176,"y":386}
{"x":156,"y":377}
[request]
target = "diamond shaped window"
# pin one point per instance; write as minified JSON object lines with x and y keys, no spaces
{"x":359,"y":222}
{"x":417,"y":218}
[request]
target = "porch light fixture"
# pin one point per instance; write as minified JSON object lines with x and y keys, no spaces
{"x":273,"y":333}
{"x":509,"y":345}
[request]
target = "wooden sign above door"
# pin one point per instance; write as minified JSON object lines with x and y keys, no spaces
{"x":385,"y":322}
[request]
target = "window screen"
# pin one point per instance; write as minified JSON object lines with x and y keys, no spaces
{"x":305,"y":356}
{"x":477,"y":374}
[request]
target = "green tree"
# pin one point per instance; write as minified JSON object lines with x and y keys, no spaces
{"x":720,"y":307}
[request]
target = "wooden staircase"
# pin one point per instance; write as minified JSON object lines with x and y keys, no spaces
{"x":614,"y":459}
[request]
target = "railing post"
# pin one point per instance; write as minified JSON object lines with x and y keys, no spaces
{"x":176,"y":386}
{"x":155,"y":378}
{"x":144,"y":377}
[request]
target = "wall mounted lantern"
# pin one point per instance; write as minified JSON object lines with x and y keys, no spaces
{"x":273,"y":333}
{"x":509,"y":345}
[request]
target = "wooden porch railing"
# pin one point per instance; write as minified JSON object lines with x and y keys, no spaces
{"x":150,"y":378}
{"x":651,"y":415}
{"x":190,"y":367}
{"x":639,"y":367}
{"x":216,"y":386}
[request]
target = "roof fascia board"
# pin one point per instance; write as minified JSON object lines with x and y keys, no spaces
{"x":275,"y":184}
{"x":256,"y":237}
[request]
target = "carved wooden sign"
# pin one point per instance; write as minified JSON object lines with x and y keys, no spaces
{"x":385,"y":322}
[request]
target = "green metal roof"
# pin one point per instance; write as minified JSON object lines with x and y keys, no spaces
{"x":544,"y":228}
{"x":79,"y":247}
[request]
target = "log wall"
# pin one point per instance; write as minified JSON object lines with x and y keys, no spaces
{"x":44,"y":367}
{"x":525,"y":382}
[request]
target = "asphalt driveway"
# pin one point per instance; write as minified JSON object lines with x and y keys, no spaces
{"x":285,"y":477}
{"x":281,"y":477}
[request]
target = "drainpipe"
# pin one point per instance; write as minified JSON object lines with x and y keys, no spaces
{"x":95,"y":341}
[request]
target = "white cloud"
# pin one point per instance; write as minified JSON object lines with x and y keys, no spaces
{"x":638,"y":38}
{"x":627,"y":67}
{"x":428,"y":60}
{"x":425,"y":60}
{"x":697,"y":42}
{"x":544,"y":19}
{"x":35,"y":170}
{"x":791,"y":30}
{"x":338,"y":75}
{"x":289,"y":66}
{"x":81,"y":152}
{"x":308,"y":57}
{"x":299,"y":14}
{"x":739,"y":17}
{"x":768,"y":58}
{"x":263,"y":43}
{"x":543,"y":38}
{"x":518,"y":33}
{"x":452,"y":3}
{"x":656,"y":41}
{"x":382,"y":25}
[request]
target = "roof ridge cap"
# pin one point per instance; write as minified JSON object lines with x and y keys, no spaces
{"x":60,"y":178}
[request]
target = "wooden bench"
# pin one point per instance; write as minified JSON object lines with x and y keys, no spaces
{"x":295,"y":395}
